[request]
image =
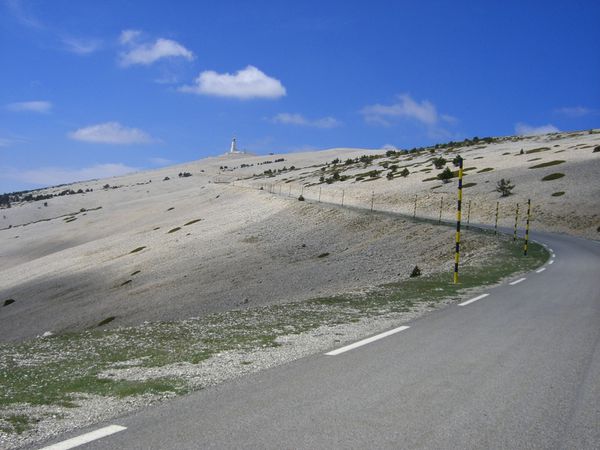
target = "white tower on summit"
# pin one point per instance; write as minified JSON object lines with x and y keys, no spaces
{"x":233,"y":148}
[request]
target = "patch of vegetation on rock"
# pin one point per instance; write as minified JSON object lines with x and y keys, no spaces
{"x":138,"y":249}
{"x":192,"y":222}
{"x":553,"y":176}
{"x":106,"y":321}
{"x":8,"y":301}
{"x":173,"y":230}
{"x":558,"y":194}
{"x":548,"y":164}
{"x":487,"y":169}
{"x":467,"y":185}
{"x":323,"y":255}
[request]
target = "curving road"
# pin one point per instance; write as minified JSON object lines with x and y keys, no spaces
{"x":518,"y":368}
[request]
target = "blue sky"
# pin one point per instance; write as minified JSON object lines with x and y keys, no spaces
{"x":99,"y":88}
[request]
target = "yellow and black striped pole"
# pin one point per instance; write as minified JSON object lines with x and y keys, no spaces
{"x":415,"y":210}
{"x":527,"y":227}
{"x":516,"y":223}
{"x":496,"y":224}
{"x":459,"y":205}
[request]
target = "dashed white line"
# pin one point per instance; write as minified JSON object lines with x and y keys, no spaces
{"x":540,"y":270}
{"x":551,"y":261}
{"x":366,"y":341}
{"x":479,"y":297}
{"x":517,"y":281}
{"x":85,"y":438}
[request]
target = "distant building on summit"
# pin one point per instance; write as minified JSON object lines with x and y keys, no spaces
{"x":233,"y":149}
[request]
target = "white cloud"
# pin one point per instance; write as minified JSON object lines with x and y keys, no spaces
{"x":405,"y":108}
{"x":298,"y":119}
{"x":523,"y":129}
{"x":37,"y":106}
{"x":111,"y":133}
{"x":82,"y":46}
{"x":128,"y":36}
{"x":146,"y":53}
{"x":574,"y":111}
{"x":244,"y":84}
{"x":50,"y":176}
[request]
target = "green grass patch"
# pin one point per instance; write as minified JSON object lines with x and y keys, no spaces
{"x":125,"y":282}
{"x":553,"y":176}
{"x":558,"y":194}
{"x":537,"y":150}
{"x":173,"y":230}
{"x":138,"y":249}
{"x":430,"y":179}
{"x":135,"y":273}
{"x":487,"y":169}
{"x":192,"y":222}
{"x":548,"y":164}
{"x":16,"y":423}
{"x":323,"y":255}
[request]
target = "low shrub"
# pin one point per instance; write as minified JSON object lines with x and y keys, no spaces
{"x":558,"y":194}
{"x":548,"y":164}
{"x":416,"y":272}
{"x":553,"y":176}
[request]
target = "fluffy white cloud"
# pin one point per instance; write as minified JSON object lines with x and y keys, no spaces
{"x":527,"y":130}
{"x":111,"y":133}
{"x":146,"y":53}
{"x":37,"y":106}
{"x":50,"y":176}
{"x":574,"y":111}
{"x":405,"y":108}
{"x":244,"y":84}
{"x":298,"y":119}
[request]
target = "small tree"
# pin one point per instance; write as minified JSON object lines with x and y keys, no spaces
{"x":416,"y":272}
{"x":446,"y":175}
{"x":439,"y":162}
{"x":504,"y":187}
{"x":404,"y":172}
{"x":456,"y":161}
{"x":390,"y":175}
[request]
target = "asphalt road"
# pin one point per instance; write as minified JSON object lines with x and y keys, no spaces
{"x":517,"y":369}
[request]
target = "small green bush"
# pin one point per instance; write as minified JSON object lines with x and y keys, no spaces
{"x":9,"y":301}
{"x":301,"y":198}
{"x":553,"y":176}
{"x":416,"y":272}
{"x":323,"y":255}
{"x":596,"y":149}
{"x":558,"y":194}
{"x":504,"y":187}
{"x":439,"y":162}
{"x":548,"y":164}
{"x":446,"y":175}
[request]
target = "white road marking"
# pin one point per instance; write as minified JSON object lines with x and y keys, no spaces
{"x":366,"y":341}
{"x":85,"y":438}
{"x":540,"y":270}
{"x":517,"y":281}
{"x":479,"y":297}
{"x":551,"y":261}
{"x":551,"y":251}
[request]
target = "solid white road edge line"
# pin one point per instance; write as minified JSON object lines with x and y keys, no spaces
{"x":479,"y":297}
{"x":517,"y":281}
{"x":551,"y":261}
{"x":366,"y":341}
{"x":540,"y":270}
{"x":85,"y":438}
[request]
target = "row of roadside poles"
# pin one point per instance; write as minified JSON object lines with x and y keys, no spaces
{"x":458,"y":215}
{"x":458,"y":221}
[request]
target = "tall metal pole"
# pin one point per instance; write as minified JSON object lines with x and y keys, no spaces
{"x":516,"y":223}
{"x":527,"y":227}
{"x":496,"y":223}
{"x":415,"y":210}
{"x":458,"y":209}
